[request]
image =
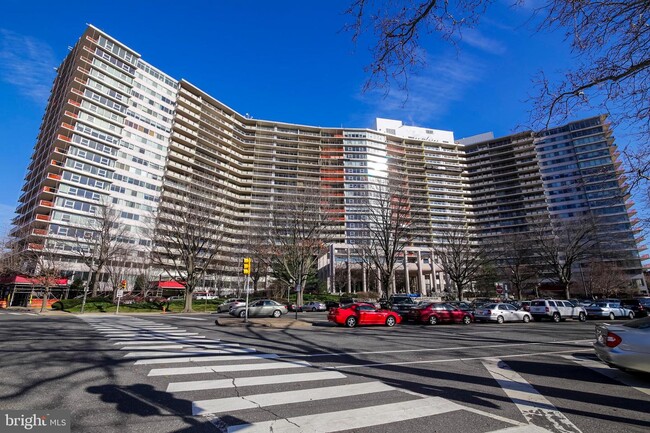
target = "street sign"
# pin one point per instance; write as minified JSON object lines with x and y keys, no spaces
{"x":120,"y":293}
{"x":499,"y":289}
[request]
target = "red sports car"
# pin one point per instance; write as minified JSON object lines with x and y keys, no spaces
{"x":362,"y":314}
{"x":437,"y":312}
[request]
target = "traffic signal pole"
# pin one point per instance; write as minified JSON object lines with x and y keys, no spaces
{"x":246,"y":270}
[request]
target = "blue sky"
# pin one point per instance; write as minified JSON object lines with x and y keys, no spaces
{"x":282,"y":60}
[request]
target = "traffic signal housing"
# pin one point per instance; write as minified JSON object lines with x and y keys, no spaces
{"x":247,"y":266}
{"x":123,"y":284}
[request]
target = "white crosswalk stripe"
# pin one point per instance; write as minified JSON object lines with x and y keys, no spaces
{"x":154,"y":354}
{"x":227,"y":368}
{"x":241,"y":382}
{"x":222,"y":405}
{"x":202,"y":358}
{"x":353,"y":419}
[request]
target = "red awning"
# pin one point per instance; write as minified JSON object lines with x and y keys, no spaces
{"x":36,"y":281}
{"x":173,"y":285}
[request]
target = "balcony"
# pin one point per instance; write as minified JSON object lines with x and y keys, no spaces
{"x":42,"y":217}
{"x":39,"y":232}
{"x":35,"y":246}
{"x":53,"y":176}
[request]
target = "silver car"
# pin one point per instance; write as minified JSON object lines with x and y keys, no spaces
{"x":608,"y":309}
{"x":260,"y":308}
{"x":625,"y":346}
{"x":231,"y":303}
{"x":314,"y":306}
{"x":501,"y":313}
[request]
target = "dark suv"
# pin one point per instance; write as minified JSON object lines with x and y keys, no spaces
{"x":640,"y":306}
{"x":401,"y":304}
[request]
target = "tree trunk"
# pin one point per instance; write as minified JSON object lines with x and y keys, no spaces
{"x":45,"y":297}
{"x":93,"y":284}
{"x":567,"y":294}
{"x":188,"y":301}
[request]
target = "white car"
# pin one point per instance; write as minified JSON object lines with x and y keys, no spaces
{"x":231,"y":303}
{"x":608,"y":309}
{"x":314,"y":306}
{"x":556,"y":310}
{"x":625,"y":346}
{"x":501,"y":313}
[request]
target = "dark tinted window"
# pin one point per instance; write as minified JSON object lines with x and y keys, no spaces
{"x":538,"y":304}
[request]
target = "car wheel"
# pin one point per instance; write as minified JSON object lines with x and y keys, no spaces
{"x":631,"y":315}
{"x":390,"y":321}
{"x":433,"y":320}
{"x":526,"y":318}
{"x":556,"y":317}
{"x":500,"y":320}
{"x":582,"y":317}
{"x":277,"y":313}
{"x":242,"y":313}
{"x":351,"y":322}
{"x":467,"y":320}
{"x":313,"y":310}
{"x":611,"y":316}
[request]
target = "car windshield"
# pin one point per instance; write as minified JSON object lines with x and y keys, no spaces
{"x":489,"y":306}
{"x":538,"y":304}
{"x":600,"y":304}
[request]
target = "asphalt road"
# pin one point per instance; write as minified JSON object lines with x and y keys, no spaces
{"x":177,"y":373}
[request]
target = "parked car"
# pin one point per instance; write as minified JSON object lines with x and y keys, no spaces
{"x":314,"y":306}
{"x":556,"y":310}
{"x":625,"y":346}
{"x":401,"y":304}
{"x":464,"y":306}
{"x":639,"y":306}
{"x":360,"y":313}
{"x":609,"y":309}
{"x":260,"y":308}
{"x":231,"y":303}
{"x":525,"y":305}
{"x":331,"y":304}
{"x":293,"y":307}
{"x":437,"y":312}
{"x":500,"y":313}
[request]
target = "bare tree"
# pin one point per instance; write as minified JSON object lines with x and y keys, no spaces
{"x":47,"y":272}
{"x":101,"y":242}
{"x":189,"y":233}
{"x":517,"y":262}
{"x":389,"y":230}
{"x":606,"y":279}
{"x":609,"y":40}
{"x":398,"y":26}
{"x":559,"y":250}
{"x":461,"y":257}
{"x":296,"y":236}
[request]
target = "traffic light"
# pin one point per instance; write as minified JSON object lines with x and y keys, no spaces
{"x":247,"y":266}
{"x":123,"y":284}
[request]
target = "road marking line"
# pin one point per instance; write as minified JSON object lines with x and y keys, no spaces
{"x":173,"y":345}
{"x":528,"y":428}
{"x":437,"y":349}
{"x":199,"y":385}
{"x":16,"y":314}
{"x":157,"y":338}
{"x":353,"y":419}
{"x":437,"y":361}
{"x":220,"y":405}
{"x":158,"y":341}
{"x":226,"y":368}
{"x":152,"y":334}
{"x":186,"y":318}
{"x":612,"y":373}
{"x":535,"y":408}
{"x":159,"y":353}
{"x":31,"y":314}
{"x":199,"y":358}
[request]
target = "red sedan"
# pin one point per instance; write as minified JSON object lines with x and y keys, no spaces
{"x":362,"y":314}
{"x":438,"y":312}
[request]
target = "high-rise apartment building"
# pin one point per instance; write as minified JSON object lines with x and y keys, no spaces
{"x":119,"y":131}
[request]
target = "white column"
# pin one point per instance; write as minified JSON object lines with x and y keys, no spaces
{"x":420,"y":276}
{"x":349,"y":270}
{"x":406,"y":272}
